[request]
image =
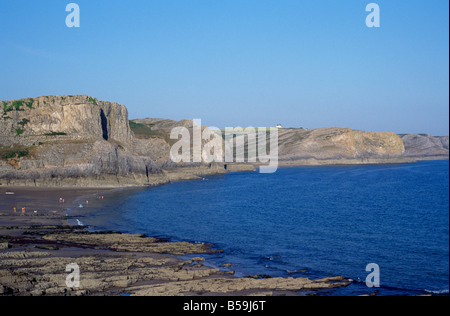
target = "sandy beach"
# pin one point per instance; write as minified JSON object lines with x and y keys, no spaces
{"x":38,"y":247}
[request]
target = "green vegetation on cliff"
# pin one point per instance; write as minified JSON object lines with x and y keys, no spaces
{"x":6,"y":154}
{"x":146,"y":131}
{"x":93,"y":101}
{"x":17,"y":105}
{"x":141,"y":129}
{"x":55,"y":134}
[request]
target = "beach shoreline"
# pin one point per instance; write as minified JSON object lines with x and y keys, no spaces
{"x":194,"y":173}
{"x":36,"y":246}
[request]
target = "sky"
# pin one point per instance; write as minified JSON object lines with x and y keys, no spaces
{"x":299,"y":63}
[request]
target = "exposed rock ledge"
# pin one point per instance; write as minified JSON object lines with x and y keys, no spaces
{"x":33,"y":261}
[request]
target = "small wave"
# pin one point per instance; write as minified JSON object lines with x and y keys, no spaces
{"x":437,"y":292}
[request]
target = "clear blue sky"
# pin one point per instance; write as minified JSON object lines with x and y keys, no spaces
{"x":310,"y":63}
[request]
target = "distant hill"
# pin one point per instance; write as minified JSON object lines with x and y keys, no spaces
{"x":336,"y":143}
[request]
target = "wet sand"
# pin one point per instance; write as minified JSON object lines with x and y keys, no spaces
{"x":40,"y":201}
{"x":37,"y":246}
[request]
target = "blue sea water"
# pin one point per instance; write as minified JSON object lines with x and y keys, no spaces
{"x":304,"y":222}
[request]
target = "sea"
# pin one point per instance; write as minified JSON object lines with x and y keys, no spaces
{"x":309,"y":222}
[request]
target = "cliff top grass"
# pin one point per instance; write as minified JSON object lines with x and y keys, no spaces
{"x":145,"y":131}
{"x":17,"y":105}
{"x":22,"y":104}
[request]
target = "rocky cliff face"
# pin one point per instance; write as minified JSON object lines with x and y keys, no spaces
{"x":337,"y":143}
{"x":71,"y":140}
{"x":424,"y":145}
{"x":76,"y":117}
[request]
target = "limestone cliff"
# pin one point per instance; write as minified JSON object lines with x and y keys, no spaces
{"x":318,"y":146}
{"x":70,"y":140}
{"x":81,"y":141}
{"x":424,"y":145}
{"x":76,"y":117}
{"x":336,"y":143}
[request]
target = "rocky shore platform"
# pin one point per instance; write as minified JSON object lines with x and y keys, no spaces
{"x":36,"y":249}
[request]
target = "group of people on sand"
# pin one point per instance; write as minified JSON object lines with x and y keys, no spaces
{"x":61,"y":201}
{"x":23,"y":210}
